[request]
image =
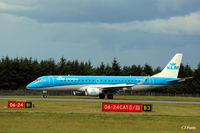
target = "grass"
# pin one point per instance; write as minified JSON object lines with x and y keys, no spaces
{"x":87,"y":117}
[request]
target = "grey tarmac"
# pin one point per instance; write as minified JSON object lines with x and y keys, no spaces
{"x":100,"y":100}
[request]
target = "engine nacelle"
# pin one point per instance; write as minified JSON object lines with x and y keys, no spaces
{"x":92,"y":92}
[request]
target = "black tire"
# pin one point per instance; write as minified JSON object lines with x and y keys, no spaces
{"x":110,"y":96}
{"x":101,"y":96}
{"x":44,"y":96}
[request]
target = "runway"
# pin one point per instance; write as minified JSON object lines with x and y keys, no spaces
{"x":100,"y":100}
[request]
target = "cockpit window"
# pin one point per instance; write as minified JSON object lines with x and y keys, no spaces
{"x":39,"y":80}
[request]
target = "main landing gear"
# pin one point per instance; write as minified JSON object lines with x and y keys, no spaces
{"x":110,"y":96}
{"x":102,"y":96}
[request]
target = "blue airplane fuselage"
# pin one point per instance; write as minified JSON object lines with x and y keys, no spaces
{"x":45,"y":82}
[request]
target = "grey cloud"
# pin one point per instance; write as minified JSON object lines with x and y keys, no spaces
{"x":73,"y":29}
{"x":108,"y":11}
{"x":21,"y":36}
{"x":188,"y":24}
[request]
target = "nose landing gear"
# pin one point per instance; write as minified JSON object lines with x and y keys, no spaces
{"x":44,"y":92}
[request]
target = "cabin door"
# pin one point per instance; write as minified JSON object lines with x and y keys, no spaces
{"x":51,"y":81}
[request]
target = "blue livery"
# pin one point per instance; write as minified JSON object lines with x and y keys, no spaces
{"x":109,"y":85}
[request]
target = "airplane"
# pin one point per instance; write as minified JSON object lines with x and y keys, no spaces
{"x":102,"y":86}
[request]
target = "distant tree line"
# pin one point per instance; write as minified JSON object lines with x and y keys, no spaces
{"x":18,"y":72}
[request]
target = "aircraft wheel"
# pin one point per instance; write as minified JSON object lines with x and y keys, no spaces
{"x":110,"y":96}
{"x":101,"y":96}
{"x":44,"y":96}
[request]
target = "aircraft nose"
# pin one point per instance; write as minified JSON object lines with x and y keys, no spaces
{"x":29,"y":86}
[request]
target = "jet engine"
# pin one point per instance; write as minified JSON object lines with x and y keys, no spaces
{"x":92,"y":92}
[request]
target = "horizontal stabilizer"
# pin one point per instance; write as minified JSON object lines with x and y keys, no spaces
{"x":179,"y":80}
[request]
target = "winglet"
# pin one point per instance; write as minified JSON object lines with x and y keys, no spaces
{"x":140,"y":83}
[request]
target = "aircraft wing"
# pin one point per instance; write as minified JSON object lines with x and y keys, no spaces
{"x":107,"y":86}
{"x":112,"y":87}
{"x":116,"y":86}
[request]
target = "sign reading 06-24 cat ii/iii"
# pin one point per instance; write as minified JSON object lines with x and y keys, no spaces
{"x":125,"y":107}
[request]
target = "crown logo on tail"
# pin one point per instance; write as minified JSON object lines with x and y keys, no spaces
{"x":172,"y":64}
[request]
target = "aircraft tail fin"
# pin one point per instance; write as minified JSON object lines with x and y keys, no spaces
{"x":172,"y":68}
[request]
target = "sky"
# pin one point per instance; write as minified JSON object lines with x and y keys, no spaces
{"x":133,"y":31}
